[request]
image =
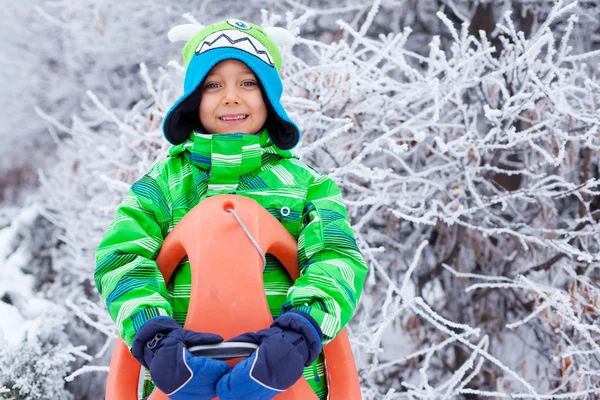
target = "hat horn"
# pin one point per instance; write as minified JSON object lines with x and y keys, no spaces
{"x":183,"y":33}
{"x":281,"y":36}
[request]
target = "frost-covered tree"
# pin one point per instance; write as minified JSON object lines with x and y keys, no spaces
{"x":53,"y":51}
{"x":468,"y":156}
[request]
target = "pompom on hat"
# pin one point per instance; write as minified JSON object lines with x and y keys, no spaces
{"x":231,"y":39}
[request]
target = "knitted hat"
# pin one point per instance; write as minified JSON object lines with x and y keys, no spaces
{"x":231,"y":39}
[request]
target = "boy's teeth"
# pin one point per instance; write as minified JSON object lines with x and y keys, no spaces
{"x":234,"y":118}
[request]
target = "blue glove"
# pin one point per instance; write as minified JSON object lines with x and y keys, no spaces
{"x":160,"y":346}
{"x":293,"y":342}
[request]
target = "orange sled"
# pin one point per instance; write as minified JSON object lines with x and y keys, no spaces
{"x":227,"y":294}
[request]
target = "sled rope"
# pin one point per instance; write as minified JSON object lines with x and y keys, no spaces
{"x":254,"y":242}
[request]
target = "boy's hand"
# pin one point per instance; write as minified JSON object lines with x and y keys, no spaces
{"x":160,"y":345}
{"x":293,"y":342}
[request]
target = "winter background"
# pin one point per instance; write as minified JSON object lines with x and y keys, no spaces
{"x":465,"y":136}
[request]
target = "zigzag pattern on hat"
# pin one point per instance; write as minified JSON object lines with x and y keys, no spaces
{"x":258,"y":49}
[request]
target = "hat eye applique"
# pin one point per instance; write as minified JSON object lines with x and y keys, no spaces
{"x":239,"y":24}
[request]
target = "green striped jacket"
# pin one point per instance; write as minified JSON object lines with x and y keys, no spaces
{"x":307,"y":203}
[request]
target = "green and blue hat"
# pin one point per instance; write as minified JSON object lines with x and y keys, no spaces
{"x":231,"y":39}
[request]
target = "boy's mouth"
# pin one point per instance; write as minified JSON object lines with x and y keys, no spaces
{"x":234,"y":118}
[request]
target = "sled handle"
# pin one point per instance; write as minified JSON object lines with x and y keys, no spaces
{"x":224,"y":351}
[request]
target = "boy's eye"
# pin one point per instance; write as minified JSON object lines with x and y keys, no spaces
{"x":211,"y":86}
{"x":249,"y":83}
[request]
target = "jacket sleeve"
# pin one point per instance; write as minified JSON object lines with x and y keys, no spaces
{"x":127,"y":276}
{"x":332,"y":270}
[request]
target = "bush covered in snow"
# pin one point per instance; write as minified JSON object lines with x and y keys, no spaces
{"x":36,"y":368}
{"x":36,"y":352}
{"x":469,"y":163}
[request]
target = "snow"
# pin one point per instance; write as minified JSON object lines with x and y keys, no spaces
{"x":13,"y":281}
{"x":21,"y":315}
{"x":12,"y":325}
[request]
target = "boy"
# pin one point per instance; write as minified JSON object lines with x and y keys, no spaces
{"x":231,"y":135}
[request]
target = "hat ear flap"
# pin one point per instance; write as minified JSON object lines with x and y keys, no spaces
{"x":281,"y":36}
{"x":183,"y":33}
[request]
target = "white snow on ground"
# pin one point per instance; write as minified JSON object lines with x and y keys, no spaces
{"x":20,"y":307}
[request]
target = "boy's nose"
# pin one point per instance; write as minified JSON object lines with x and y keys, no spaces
{"x":231,"y":97}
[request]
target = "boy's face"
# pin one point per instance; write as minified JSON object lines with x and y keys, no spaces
{"x":231,"y":100}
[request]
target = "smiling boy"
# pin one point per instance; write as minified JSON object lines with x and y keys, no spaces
{"x":231,"y":100}
{"x":231,"y":135}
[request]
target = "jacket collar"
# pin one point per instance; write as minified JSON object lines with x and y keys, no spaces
{"x":227,"y":156}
